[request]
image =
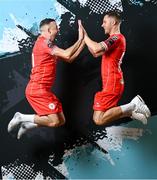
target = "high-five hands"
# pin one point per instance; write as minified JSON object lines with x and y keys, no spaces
{"x":80,"y":31}
{"x":81,"y":26}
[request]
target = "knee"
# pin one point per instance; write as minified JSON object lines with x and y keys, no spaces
{"x":62,"y":122}
{"x":56,"y":123}
{"x":101,"y":119}
{"x":97,"y":121}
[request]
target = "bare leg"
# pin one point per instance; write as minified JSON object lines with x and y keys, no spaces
{"x":136,"y":109}
{"x":52,"y":120}
{"x":103,"y":118}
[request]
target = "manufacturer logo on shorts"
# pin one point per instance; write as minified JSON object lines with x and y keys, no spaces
{"x":122,"y":81}
{"x":52,"y":106}
{"x":97,"y":104}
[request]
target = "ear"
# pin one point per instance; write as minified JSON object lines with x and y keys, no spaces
{"x":113,"y":21}
{"x":49,"y":30}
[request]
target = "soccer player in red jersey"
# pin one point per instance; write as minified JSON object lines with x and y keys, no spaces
{"x":45,"y":55}
{"x":112,"y":51}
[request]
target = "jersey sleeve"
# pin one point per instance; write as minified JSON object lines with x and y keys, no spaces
{"x":111,"y":42}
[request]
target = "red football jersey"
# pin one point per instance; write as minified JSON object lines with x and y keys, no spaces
{"x":38,"y":91}
{"x":43,"y":66}
{"x":111,"y":61}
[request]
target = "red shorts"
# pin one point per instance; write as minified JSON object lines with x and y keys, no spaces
{"x":44,"y":104}
{"x":105,"y":100}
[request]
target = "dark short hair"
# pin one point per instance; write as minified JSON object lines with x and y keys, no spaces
{"x":116,"y":14}
{"x":46,"y":21}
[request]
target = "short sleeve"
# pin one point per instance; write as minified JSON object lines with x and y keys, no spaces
{"x":111,"y":42}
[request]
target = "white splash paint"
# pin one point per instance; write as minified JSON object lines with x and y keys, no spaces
{"x":10,"y":172}
{"x":102,"y":156}
{"x":77,"y":150}
{"x":21,"y":21}
{"x":8,"y":176}
{"x":117,"y":3}
{"x":108,"y":157}
{"x":60,"y":9}
{"x":68,"y":153}
{"x":62,"y":169}
{"x":112,"y":142}
{"x":14,"y":19}
{"x":11,"y":36}
{"x":83,"y":2}
{"x":115,"y":136}
{"x":113,"y":2}
{"x":39,"y":176}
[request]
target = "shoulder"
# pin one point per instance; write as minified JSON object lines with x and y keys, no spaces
{"x":119,"y":38}
{"x":40,"y":41}
{"x":113,"y":39}
{"x":122,"y":37}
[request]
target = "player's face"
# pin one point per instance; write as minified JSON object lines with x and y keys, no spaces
{"x":53,"y":30}
{"x":107,"y":24}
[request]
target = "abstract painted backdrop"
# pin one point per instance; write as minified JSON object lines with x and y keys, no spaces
{"x":125,"y":149}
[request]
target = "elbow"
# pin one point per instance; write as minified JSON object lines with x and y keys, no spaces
{"x":68,"y":59}
{"x":66,"y":56}
{"x":93,"y":52}
{"x":95,"y":55}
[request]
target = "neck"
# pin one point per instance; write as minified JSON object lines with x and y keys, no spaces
{"x":45,"y":36}
{"x":48,"y":37}
{"x":115,"y":30}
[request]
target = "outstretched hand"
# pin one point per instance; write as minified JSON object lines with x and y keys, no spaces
{"x":81,"y":26}
{"x":80,"y":31}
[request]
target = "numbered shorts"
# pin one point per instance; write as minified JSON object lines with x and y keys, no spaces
{"x":44,"y":104}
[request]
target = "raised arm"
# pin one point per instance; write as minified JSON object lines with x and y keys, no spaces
{"x":72,"y":52}
{"x":96,"y":49}
{"x":73,"y":57}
